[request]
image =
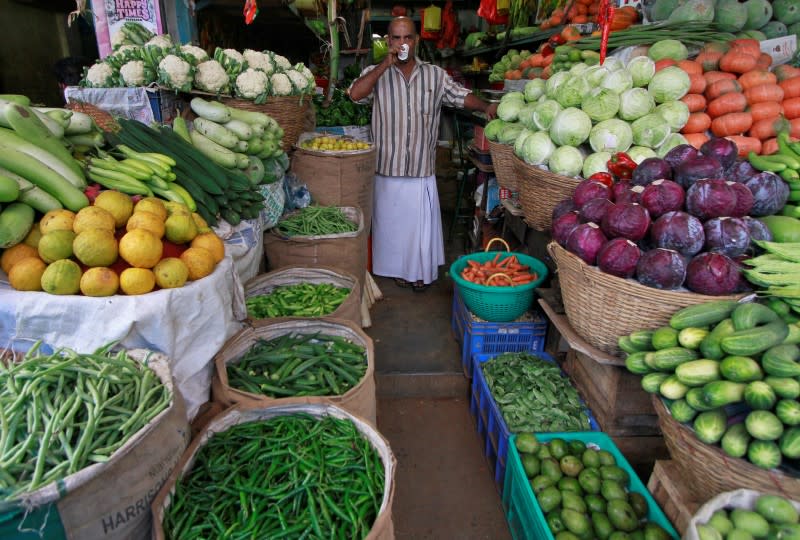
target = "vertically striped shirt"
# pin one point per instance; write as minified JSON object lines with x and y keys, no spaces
{"x":405,"y":117}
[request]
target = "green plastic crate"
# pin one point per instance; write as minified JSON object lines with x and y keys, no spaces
{"x":523,"y":513}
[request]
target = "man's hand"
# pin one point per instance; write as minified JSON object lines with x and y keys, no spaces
{"x":491,"y":111}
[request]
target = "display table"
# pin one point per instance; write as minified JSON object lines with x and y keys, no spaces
{"x":189,"y":324}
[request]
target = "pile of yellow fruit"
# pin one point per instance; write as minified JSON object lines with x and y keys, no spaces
{"x":334,"y":143}
{"x":114,"y":246}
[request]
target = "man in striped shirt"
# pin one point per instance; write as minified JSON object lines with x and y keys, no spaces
{"x":407,"y":96}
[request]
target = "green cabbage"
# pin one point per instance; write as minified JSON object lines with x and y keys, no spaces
{"x":556,"y":80}
{"x":618,"y":81}
{"x":545,"y":112}
{"x":595,"y":74}
{"x":601,"y":104}
{"x":571,"y":92}
{"x":492,"y":129}
{"x":534,"y":89}
{"x":538,"y":148}
{"x":519,"y":142}
{"x":668,"y":48}
{"x":508,"y":134}
{"x":509,"y":110}
{"x":512,"y":96}
{"x":612,"y":63}
{"x":570,"y":127}
{"x":675,"y":113}
{"x":566,"y":160}
{"x":640,"y":153}
{"x":669,"y":84}
{"x":641,"y":69}
{"x":612,"y":135}
{"x":578,"y":69}
{"x":650,"y":130}
{"x":635,"y":103}
{"x":525,"y":116}
{"x":596,"y":162}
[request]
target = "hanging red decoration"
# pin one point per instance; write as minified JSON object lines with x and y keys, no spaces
{"x":250,"y":11}
{"x":604,"y":17}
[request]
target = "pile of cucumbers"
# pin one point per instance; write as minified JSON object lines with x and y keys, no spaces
{"x":722,"y":356}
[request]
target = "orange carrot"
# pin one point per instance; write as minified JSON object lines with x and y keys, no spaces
{"x":736,"y":61}
{"x":766,"y":92}
{"x":697,"y":83}
{"x":791,"y":108}
{"x":695,"y":102}
{"x":745,"y":145}
{"x":764,"y":61}
{"x":698,"y":122}
{"x":714,"y":76}
{"x":791,"y":87}
{"x":767,"y":128}
{"x":765,"y":109}
{"x":664,"y":62}
{"x":756,"y":77}
{"x":794,"y":127}
{"x":731,"y":124}
{"x":696,"y":139}
{"x":785,"y":71}
{"x":770,"y":146}
{"x":751,"y":47}
{"x":691,"y":67}
{"x":721,"y":87}
{"x":727,"y":103}
{"x":708,"y":60}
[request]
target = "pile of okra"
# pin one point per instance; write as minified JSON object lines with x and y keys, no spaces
{"x":299,"y":365}
{"x":297,"y":300}
{"x":293,"y":476}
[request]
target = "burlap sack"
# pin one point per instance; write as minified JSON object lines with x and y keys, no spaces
{"x":349,"y":309}
{"x":338,"y":179}
{"x":359,"y":400}
{"x":382,"y":529}
{"x":740,"y":498}
{"x":112,"y":499}
{"x":345,"y":251}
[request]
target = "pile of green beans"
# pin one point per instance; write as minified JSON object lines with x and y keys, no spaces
{"x":62,"y":412}
{"x":316,"y":221}
{"x":291,"y":476}
{"x":299,"y":365}
{"x":533,"y":395}
{"x":299,"y":300}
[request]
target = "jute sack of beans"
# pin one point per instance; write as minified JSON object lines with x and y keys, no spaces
{"x":108,"y":499}
{"x":359,"y":399}
{"x":349,"y":309}
{"x":255,"y":496}
{"x":345,"y":251}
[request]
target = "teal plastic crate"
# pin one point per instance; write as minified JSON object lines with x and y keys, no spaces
{"x":523,"y":513}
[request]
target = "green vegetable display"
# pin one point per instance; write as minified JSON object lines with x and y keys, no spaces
{"x":316,"y":221}
{"x":533,"y":395}
{"x":290,"y":476}
{"x":299,"y":300}
{"x":65,"y":411}
{"x":341,"y":111}
{"x":299,"y":365}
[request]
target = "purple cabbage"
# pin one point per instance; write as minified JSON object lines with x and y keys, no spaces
{"x":661,"y":269}
{"x":663,"y":196}
{"x":727,"y":235}
{"x":619,"y":257}
{"x":770,"y":193}
{"x":585,"y":241}
{"x":744,"y":199}
{"x":681,"y":153}
{"x":626,"y":220}
{"x":650,"y":169}
{"x":741,"y":171}
{"x":588,"y":190}
{"x":594,"y":210}
{"x":710,"y":198}
{"x":563,"y":225}
{"x":725,"y":150}
{"x":713,"y":274}
{"x":694,"y":169}
{"x":678,"y":231}
{"x":567,"y":205}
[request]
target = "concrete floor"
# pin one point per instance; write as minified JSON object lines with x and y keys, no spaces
{"x":445,"y":489}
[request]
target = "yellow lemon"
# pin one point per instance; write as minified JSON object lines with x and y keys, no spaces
{"x":146,"y":220}
{"x":202,"y":224}
{"x":56,"y":245}
{"x":118,"y":204}
{"x":62,"y":277}
{"x":99,"y":281}
{"x":26,"y":274}
{"x":212,"y":243}
{"x":15,"y":254}
{"x":180,"y":228}
{"x":176,"y":208}
{"x":55,"y":220}
{"x":151,"y":204}
{"x":171,"y":273}
{"x":96,"y":247}
{"x":93,"y":217}
{"x":140,"y":248}
{"x":199,"y":261}
{"x":137,"y":281}
{"x":33,"y":236}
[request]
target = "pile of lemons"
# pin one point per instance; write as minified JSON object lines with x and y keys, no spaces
{"x":334,"y":143}
{"x":114,"y":246}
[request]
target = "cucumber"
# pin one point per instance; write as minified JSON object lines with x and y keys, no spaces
{"x":216,"y":132}
{"x":735,"y":441}
{"x":9,"y":188}
{"x":213,"y":151}
{"x":211,"y":110}
{"x":652,"y":381}
{"x":794,"y":331}
{"x":694,"y":397}
{"x":755,"y":340}
{"x":16,"y":221}
{"x":664,"y":338}
{"x":759,"y":395}
{"x":672,"y":388}
{"x":636,"y":364}
{"x":710,"y":346}
{"x":784,"y":387}
{"x":702,"y":314}
{"x":741,"y":369}
{"x":692,"y":337}
{"x":641,"y":339}
{"x":698,"y":372}
{"x":682,"y":411}
{"x":240,"y":128}
{"x":781,"y":361}
{"x":721,"y":393}
{"x":669,"y":359}
{"x":751,"y":314}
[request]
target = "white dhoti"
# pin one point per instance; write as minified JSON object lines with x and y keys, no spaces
{"x":407,"y":239}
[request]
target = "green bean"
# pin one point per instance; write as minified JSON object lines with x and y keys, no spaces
{"x":298,"y":300}
{"x":316,"y":221}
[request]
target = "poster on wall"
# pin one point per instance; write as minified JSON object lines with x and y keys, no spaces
{"x":110,"y":15}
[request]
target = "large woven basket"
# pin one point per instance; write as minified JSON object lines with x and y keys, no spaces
{"x":503,"y":166}
{"x":711,"y":470}
{"x":293,"y":113}
{"x":602,"y":307}
{"x":540,"y":191}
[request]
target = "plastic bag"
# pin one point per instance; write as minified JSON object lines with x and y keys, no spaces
{"x":488,"y":10}
{"x":297,"y":194}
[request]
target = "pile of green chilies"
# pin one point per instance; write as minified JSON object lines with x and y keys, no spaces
{"x":298,"y":300}
{"x":299,"y":365}
{"x":690,"y":33}
{"x":316,"y":221}
{"x":291,"y":476}
{"x":65,"y":411}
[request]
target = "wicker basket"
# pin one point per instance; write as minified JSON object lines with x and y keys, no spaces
{"x":503,"y":166}
{"x":602,"y":307}
{"x":711,"y":470}
{"x":293,"y":113}
{"x":540,"y":191}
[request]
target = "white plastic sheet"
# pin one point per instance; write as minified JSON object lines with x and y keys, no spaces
{"x":189,"y":324}
{"x":130,"y":103}
{"x":245,"y":243}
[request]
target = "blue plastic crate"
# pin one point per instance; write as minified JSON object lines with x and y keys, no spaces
{"x":491,"y":425}
{"x":493,"y":338}
{"x":523,"y":513}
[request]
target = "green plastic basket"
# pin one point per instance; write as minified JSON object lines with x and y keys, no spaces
{"x":497,"y":304}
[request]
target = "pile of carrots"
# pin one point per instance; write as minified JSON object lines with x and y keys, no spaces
{"x":508,"y":272}
{"x":733,"y":94}
{"x":585,"y":11}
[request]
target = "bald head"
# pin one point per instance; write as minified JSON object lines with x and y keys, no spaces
{"x":402,"y":24}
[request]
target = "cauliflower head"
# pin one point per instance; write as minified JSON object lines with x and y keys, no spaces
{"x":176,"y":73}
{"x":281,"y":84}
{"x":124,"y":54}
{"x":211,"y":77}
{"x":100,"y":75}
{"x":232,"y":60}
{"x":259,"y":60}
{"x":281,"y":62}
{"x":193,"y":52}
{"x":134,"y":73}
{"x":252,"y":84}
{"x":161,"y":41}
{"x":301,"y":84}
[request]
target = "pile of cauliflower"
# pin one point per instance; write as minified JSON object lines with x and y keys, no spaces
{"x":253,"y":75}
